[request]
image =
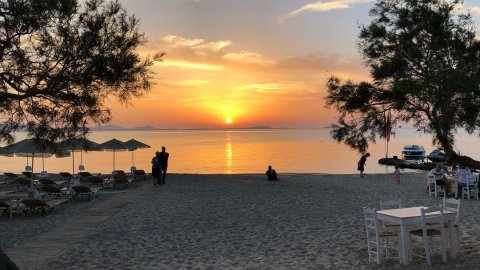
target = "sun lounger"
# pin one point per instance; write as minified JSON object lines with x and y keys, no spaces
{"x":56,"y":193}
{"x":50,"y":183}
{"x":11,"y":209}
{"x":23,"y":182}
{"x":121,"y":179}
{"x":139,"y":175}
{"x":36,"y":206}
{"x":28,"y":175}
{"x":66,"y":175}
{"x":86,"y":192}
{"x":95,"y":181}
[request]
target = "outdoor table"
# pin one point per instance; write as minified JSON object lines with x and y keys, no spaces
{"x":406,"y":217}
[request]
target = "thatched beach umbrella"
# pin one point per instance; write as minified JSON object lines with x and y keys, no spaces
{"x":35,"y":148}
{"x":79,"y":145}
{"x":134,"y":145}
{"x":114,"y":145}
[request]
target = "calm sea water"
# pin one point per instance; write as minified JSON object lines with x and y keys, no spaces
{"x":238,"y":151}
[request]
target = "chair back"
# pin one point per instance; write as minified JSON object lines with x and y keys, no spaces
{"x":452,"y":205}
{"x":371,"y":223}
{"x":432,"y":218}
{"x":47,"y":182}
{"x":10,"y":175}
{"x":65,"y":175}
{"x":139,"y":172}
{"x":120,"y":178}
{"x":52,"y":190}
{"x":81,"y":189}
{"x":391,"y":204}
{"x":95,"y":180}
{"x":27,"y":174}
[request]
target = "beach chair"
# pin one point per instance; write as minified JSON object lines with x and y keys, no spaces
{"x":86,"y":192}
{"x":432,"y":224}
{"x":28,"y":175}
{"x":139,"y":175}
{"x":50,"y":183}
{"x":36,"y":206}
{"x":56,"y":192}
{"x":11,"y":177}
{"x":470,"y":190}
{"x":66,"y":175}
{"x":95,"y":181}
{"x":121,"y":179}
{"x":11,"y":209}
{"x":377,"y":239}
{"x":84,"y":175}
{"x":23,"y":182}
{"x":453,"y":205}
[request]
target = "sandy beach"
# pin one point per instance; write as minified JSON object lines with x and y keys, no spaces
{"x":237,"y":222}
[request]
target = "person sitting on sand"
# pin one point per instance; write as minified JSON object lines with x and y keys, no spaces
{"x":271,"y":174}
{"x":361,"y":163}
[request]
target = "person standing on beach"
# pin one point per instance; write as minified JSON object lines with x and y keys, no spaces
{"x":396,"y":174}
{"x":361,"y":163}
{"x":162,"y":165}
{"x":155,"y":170}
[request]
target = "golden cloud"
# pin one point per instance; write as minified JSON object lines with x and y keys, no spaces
{"x":248,"y":58}
{"x":188,"y":65}
{"x":323,"y":7}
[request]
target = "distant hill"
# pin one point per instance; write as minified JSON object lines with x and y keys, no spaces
{"x":115,"y":127}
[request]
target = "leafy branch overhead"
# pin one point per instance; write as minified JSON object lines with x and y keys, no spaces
{"x":424,"y":63}
{"x":60,"y":60}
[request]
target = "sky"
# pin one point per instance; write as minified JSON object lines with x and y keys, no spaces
{"x":254,"y":62}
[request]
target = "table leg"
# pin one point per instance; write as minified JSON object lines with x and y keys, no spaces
{"x":404,"y":258}
{"x":452,"y":239}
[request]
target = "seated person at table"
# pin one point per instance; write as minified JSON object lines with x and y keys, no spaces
{"x":271,"y":174}
{"x":463,"y":174}
{"x":439,"y":174}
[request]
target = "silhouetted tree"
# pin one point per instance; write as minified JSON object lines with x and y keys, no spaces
{"x":424,"y":62}
{"x":59,"y":62}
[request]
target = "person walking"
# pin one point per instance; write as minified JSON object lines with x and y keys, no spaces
{"x":162,"y":165}
{"x":155,"y":166}
{"x":361,"y":163}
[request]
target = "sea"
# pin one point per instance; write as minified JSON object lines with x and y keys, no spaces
{"x":237,"y":151}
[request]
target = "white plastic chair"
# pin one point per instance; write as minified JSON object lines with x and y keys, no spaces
{"x":453,"y":205}
{"x":375,"y":236}
{"x":432,"y":223}
{"x":471,"y":189}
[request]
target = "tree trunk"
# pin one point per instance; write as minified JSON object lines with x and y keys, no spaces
{"x":452,"y":156}
{"x":6,"y":263}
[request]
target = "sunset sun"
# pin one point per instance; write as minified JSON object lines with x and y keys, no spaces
{"x":228,"y":120}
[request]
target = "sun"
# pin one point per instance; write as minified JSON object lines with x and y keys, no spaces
{"x":228,"y":120}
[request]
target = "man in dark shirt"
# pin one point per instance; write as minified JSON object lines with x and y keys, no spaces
{"x":271,"y":174}
{"x":361,"y":163}
{"x":162,"y":165}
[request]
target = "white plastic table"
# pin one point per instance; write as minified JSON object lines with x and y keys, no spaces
{"x":406,"y":217}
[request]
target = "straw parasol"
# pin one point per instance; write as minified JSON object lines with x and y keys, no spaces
{"x":79,"y":145}
{"x":134,"y":145}
{"x":114,"y":145}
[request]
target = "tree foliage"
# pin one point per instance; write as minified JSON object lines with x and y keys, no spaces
{"x":59,"y":62}
{"x":424,"y":62}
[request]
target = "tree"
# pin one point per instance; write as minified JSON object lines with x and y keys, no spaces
{"x":60,"y":61}
{"x":424,"y":61}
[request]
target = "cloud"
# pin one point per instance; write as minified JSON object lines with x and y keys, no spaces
{"x":185,"y":82}
{"x":279,"y":87}
{"x":320,"y":6}
{"x":188,"y":65}
{"x":176,"y":41}
{"x":248,"y":58}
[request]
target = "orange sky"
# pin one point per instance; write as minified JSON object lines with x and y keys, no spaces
{"x":257,"y":62}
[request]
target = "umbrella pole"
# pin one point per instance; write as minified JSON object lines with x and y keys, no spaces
{"x":133,"y":159}
{"x":73,"y":162}
{"x":114,"y":159}
{"x":43,"y":164}
{"x":33,"y":160}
